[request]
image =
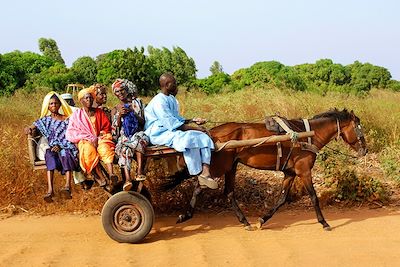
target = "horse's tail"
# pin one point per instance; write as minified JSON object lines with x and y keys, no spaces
{"x":174,"y":180}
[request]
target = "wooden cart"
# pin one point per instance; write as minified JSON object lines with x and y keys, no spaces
{"x":128,"y":217}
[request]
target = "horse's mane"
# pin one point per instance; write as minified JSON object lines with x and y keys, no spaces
{"x":334,"y":113}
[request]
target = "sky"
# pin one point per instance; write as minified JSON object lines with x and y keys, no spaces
{"x":237,"y":34}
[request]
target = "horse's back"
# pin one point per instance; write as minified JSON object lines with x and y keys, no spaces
{"x":239,"y":131}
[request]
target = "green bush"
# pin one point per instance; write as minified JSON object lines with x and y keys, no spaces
{"x":17,"y":67}
{"x":214,"y":83}
{"x":390,"y":162}
{"x":345,"y":183}
{"x":355,"y":187}
{"x":56,"y":78}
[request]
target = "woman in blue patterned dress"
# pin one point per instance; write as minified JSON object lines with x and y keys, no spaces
{"x":61,"y":154}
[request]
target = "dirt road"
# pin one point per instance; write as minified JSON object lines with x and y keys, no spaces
{"x":360,"y":237}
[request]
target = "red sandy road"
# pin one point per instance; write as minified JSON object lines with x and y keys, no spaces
{"x":292,"y":238}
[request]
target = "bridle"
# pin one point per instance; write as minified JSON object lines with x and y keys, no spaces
{"x":357,"y":130}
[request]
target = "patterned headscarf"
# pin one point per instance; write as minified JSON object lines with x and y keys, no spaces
{"x":129,"y":86}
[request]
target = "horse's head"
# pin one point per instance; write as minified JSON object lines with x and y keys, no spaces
{"x":352,"y":133}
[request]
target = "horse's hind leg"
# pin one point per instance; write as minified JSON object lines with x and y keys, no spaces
{"x":230,"y":194}
{"x":190,"y":210}
{"x":286,"y":185}
{"x":307,"y":180}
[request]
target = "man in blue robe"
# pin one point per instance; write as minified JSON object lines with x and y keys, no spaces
{"x":164,"y":126}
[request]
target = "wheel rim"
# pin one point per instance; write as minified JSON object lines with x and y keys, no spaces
{"x":128,"y":218}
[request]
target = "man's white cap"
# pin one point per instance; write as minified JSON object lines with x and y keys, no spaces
{"x":66,"y":96}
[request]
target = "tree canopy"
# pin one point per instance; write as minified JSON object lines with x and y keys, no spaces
{"x":31,"y":70}
{"x":50,"y":49}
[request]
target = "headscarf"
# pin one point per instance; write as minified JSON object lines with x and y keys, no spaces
{"x":94,"y":89}
{"x":85,"y":91}
{"x":129,"y":86}
{"x":65,"y":109}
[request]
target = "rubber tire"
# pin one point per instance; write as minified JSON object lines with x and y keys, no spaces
{"x":116,"y":202}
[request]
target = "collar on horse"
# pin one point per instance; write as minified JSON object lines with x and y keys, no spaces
{"x":307,"y":146}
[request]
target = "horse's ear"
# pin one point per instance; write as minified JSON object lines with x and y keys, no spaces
{"x":352,"y":114}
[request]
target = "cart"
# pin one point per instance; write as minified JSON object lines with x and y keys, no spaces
{"x":128,"y":217}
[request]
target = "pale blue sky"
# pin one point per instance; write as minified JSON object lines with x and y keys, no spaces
{"x":235,"y":33}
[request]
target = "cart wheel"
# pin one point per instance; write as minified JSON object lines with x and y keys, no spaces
{"x":127,"y":217}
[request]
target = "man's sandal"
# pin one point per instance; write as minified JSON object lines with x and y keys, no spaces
{"x":207,"y":181}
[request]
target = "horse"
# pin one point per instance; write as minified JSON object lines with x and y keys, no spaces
{"x":296,"y":161}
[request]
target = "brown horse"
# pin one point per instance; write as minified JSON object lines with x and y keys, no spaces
{"x":296,"y":160}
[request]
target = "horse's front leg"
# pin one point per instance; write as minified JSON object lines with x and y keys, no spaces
{"x":230,"y":194}
{"x":286,"y":185}
{"x":307,"y":181}
{"x":190,"y":210}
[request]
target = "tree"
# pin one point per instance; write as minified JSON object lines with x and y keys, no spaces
{"x":216,"y":68}
{"x":128,"y":64}
{"x":56,"y":77}
{"x":365,"y":76}
{"x":50,"y":49}
{"x":214,"y":83}
{"x":85,"y":70}
{"x":17,"y":67}
{"x":176,"y":61}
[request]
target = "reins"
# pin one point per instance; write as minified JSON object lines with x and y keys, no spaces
{"x":339,"y":152}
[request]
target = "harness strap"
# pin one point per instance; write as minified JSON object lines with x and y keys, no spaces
{"x":278,"y":155}
{"x":338,"y":129}
{"x":309,"y":147}
{"x":308,"y":128}
{"x":282,"y":124}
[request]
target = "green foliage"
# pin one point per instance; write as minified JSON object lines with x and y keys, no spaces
{"x":17,"y":67}
{"x":56,"y":77}
{"x":85,"y":70}
{"x":394,"y":85}
{"x":176,"y":61}
{"x":216,"y":68}
{"x":18,"y":70}
{"x":50,"y":49}
{"x":353,"y":187}
{"x":347,"y":184}
{"x":127,"y":64}
{"x":214,"y":83}
{"x":390,"y":162}
{"x":269,"y":72}
{"x":365,"y":76}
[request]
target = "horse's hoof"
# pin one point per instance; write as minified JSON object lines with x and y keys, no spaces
{"x":260,"y":223}
{"x":181,"y":219}
{"x":327,"y":228}
{"x":250,"y":228}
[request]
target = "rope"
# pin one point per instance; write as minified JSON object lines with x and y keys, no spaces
{"x":294,"y":136}
{"x":339,"y":152}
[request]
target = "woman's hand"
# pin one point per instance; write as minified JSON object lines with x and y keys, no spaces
{"x":199,"y":121}
{"x":30,"y":130}
{"x":56,"y":148}
{"x":123,"y":111}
